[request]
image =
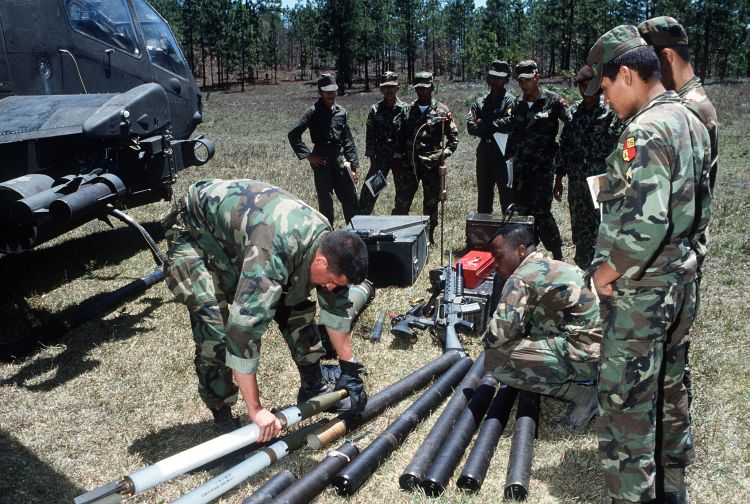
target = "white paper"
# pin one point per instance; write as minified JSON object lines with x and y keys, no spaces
{"x":501,"y":139}
{"x":595,"y":184}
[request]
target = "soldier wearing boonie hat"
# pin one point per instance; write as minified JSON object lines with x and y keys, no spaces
{"x":334,"y":156}
{"x":427,"y":128}
{"x":532,"y":147}
{"x":384,"y":122}
{"x":484,"y":120}
{"x":655,"y":203}
{"x":586,"y":141}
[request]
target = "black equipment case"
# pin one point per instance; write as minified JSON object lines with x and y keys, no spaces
{"x":481,"y":227}
{"x":397,"y":247}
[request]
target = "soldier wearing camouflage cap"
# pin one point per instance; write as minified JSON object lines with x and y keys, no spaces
{"x":384,"y":122}
{"x":483,"y":122}
{"x":427,"y":125}
{"x":334,"y":156}
{"x":585,"y":142}
{"x":243,"y":253}
{"x":656,"y":203}
{"x":532,"y":147}
{"x":545,"y":335}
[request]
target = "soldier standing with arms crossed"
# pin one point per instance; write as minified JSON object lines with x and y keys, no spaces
{"x":532,"y":146}
{"x":427,"y":122}
{"x":485,"y":111}
{"x":586,"y":141}
{"x":656,"y":202}
{"x":382,"y":143}
{"x":333,"y":154}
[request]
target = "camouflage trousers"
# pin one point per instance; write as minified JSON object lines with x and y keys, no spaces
{"x":532,"y":195}
{"x":200,"y":275}
{"x":644,"y":425}
{"x":584,"y":221}
{"x":407,"y":182}
{"x":491,"y":174}
{"x":334,"y":177}
{"x":366,"y":199}
{"x":541,"y":365}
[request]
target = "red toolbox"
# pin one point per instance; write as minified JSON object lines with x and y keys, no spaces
{"x":478,"y":267}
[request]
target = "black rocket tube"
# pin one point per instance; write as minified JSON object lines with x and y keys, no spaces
{"x":415,"y":471}
{"x":473,"y":473}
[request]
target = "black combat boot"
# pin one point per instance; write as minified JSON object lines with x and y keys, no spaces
{"x":312,"y":382}
{"x":675,"y":491}
{"x":557,"y":254}
{"x":224,"y":421}
{"x":583,"y":406}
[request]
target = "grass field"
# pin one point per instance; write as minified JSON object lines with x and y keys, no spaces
{"x":120,"y":392}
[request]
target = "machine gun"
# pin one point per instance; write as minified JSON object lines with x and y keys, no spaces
{"x":445,"y":309}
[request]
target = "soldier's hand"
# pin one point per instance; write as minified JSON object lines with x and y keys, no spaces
{"x":557,"y":191}
{"x":268,"y":424}
{"x":317,"y":161}
{"x":355,"y":177}
{"x":351,"y":381}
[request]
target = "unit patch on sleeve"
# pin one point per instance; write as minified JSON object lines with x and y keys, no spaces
{"x":628,"y":149}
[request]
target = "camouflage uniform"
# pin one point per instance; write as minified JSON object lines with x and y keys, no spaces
{"x":239,"y":257}
{"x":382,"y":146}
{"x":693,"y":96}
{"x":533,"y":145}
{"x":332,"y":139}
{"x":586,"y":141}
{"x":491,"y":170}
{"x":656,"y":203}
{"x":421,"y":141}
{"x":545,"y":334}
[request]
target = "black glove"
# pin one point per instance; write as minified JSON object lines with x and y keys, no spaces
{"x":351,"y":381}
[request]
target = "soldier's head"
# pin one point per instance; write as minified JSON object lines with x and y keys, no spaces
{"x":423,"y":87}
{"x":626,"y":69}
{"x":497,"y":76}
{"x":341,"y":260}
{"x":389,"y":85}
{"x":670,"y":42}
{"x":327,"y":88}
{"x":510,"y":246}
{"x":582,"y":79}
{"x":528,"y":77}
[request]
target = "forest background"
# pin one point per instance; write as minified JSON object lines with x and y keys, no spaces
{"x":239,"y":41}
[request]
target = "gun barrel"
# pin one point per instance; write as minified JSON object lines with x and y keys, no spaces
{"x":450,"y":453}
{"x":313,"y":482}
{"x":478,"y":462}
{"x":415,"y":471}
{"x":522,"y":447}
{"x":360,"y":469}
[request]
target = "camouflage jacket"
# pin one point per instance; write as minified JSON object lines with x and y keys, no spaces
{"x":422,"y":133}
{"x":489,"y":110}
{"x":329,"y":132}
{"x":545,"y":298}
{"x":383,"y":128}
{"x":586,"y":140}
{"x":655,"y":199}
{"x":533,"y":131}
{"x":694,"y":98}
{"x":270,"y":238}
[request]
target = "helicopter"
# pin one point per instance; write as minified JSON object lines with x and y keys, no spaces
{"x":97,"y":109}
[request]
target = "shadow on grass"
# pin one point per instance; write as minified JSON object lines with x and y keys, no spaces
{"x":47,"y":268}
{"x":26,"y":478}
{"x":74,"y":361}
{"x":578,"y":477}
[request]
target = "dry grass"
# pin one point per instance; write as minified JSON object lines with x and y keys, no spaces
{"x":120,"y":392}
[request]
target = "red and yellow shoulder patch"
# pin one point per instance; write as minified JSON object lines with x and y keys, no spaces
{"x":628,"y":149}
